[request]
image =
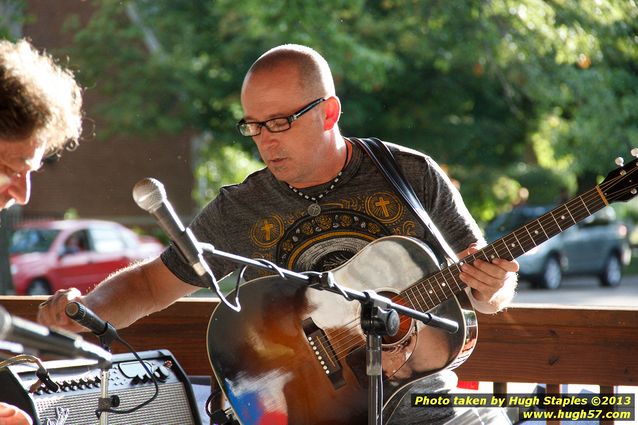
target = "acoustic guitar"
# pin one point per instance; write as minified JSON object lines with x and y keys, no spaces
{"x":295,"y":355}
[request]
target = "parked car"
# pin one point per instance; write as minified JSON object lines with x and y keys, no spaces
{"x":51,"y":255}
{"x":597,"y":246}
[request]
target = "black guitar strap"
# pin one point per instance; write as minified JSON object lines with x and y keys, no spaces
{"x":382,"y":157}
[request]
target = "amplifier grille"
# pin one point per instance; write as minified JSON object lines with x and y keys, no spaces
{"x":79,"y":393}
{"x":170,"y":407}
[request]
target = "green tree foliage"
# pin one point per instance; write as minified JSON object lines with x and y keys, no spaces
{"x":485,"y":87}
{"x":12,"y":18}
{"x":230,"y":165}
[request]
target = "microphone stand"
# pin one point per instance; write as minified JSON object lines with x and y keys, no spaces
{"x":106,"y":334}
{"x":106,"y":338}
{"x":379,"y":317}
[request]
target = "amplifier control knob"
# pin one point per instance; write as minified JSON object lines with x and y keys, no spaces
{"x":139,"y":378}
{"x":161,"y":373}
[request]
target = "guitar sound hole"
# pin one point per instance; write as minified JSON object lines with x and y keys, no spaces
{"x":405,"y":323}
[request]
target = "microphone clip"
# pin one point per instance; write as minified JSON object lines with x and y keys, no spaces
{"x":107,"y":337}
{"x":45,"y":379}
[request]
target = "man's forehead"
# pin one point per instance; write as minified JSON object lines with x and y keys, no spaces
{"x":278,"y":98}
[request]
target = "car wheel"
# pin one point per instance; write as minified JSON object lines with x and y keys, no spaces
{"x":612,"y":272}
{"x":39,"y":287}
{"x":552,"y":274}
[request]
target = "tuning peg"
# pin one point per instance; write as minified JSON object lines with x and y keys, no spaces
{"x":619,"y":161}
{"x":634,"y":152}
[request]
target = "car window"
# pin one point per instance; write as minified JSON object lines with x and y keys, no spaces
{"x":512,"y":220}
{"x":76,"y":242}
{"x":32,"y":240}
{"x":130,"y":239}
{"x":107,"y":240}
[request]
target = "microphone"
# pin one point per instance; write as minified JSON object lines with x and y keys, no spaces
{"x":45,"y":340}
{"x":87,"y":318}
{"x":150,"y":195}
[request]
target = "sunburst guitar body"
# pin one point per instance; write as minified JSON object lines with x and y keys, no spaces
{"x":296,"y":355}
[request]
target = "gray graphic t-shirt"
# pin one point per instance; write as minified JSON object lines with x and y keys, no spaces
{"x":263,"y":218}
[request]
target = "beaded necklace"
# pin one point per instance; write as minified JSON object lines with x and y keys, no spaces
{"x":314,"y":209}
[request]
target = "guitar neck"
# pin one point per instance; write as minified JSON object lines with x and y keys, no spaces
{"x":438,"y":287}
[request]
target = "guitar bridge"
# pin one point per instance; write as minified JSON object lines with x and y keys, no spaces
{"x":324,"y":353}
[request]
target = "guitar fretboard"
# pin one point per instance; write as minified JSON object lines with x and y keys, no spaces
{"x":442,"y":285}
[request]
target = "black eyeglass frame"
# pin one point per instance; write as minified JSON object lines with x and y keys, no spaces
{"x":290,"y":119}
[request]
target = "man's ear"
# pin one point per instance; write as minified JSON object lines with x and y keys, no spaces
{"x":332,"y":109}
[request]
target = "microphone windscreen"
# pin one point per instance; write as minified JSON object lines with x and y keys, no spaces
{"x":73,"y":310}
{"x":149,"y":193}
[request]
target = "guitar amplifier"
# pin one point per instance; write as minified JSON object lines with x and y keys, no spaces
{"x":80,"y":389}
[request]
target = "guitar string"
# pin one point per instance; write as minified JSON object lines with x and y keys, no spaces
{"x":413,"y":288}
{"x":548,"y":218}
{"x":593,"y":194}
{"x":523,"y":236}
{"x":552,"y":218}
{"x":358,"y":340}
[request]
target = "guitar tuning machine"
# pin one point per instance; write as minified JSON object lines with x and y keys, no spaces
{"x":620,"y":161}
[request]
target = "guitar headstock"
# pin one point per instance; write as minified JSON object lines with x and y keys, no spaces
{"x":622,"y":183}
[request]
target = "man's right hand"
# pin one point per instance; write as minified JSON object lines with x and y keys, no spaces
{"x":51,"y":312}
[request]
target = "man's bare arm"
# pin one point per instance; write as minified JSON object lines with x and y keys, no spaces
{"x":122,"y":298}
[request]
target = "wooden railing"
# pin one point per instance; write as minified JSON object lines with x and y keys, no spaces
{"x":526,"y":343}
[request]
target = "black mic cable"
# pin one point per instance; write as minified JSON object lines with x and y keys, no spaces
{"x":107,"y":334}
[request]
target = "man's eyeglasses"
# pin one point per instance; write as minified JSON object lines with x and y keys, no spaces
{"x":274,"y":125}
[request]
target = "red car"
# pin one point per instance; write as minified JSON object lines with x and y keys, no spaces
{"x":51,"y":255}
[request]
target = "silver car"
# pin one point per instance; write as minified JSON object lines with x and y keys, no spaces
{"x":597,"y":246}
